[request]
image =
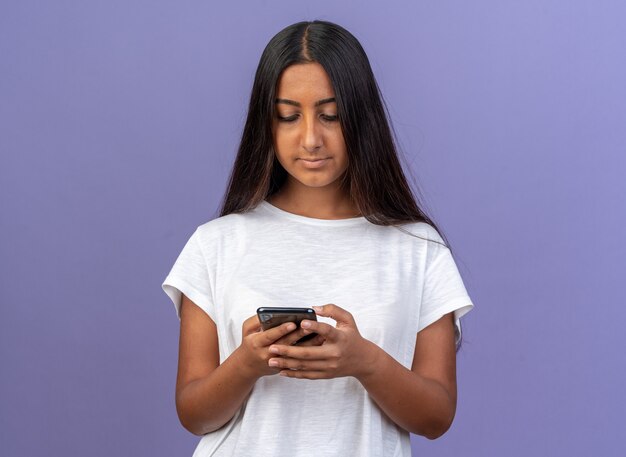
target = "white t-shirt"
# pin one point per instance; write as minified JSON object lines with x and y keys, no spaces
{"x":394,"y":284}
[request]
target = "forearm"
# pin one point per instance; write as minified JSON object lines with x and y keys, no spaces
{"x":206,"y":404}
{"x":419,"y":405}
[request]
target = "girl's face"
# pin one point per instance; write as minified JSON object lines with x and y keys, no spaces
{"x":307,"y":135}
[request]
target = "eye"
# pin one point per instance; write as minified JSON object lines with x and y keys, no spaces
{"x":330,"y":118}
{"x":287,"y":119}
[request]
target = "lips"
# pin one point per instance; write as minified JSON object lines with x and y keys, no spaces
{"x":314,"y":163}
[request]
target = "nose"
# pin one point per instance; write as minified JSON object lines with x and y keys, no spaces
{"x":311,"y":136}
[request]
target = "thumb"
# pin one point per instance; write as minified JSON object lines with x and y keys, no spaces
{"x":337,"y":313}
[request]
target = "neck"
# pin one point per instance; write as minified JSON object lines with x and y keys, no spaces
{"x":328,"y":202}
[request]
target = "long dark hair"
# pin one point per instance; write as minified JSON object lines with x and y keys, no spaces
{"x":374,"y":179}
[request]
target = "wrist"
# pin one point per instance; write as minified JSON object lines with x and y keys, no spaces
{"x":370,"y":361}
{"x":243,"y":365}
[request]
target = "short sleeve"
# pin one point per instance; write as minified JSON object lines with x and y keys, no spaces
{"x":443,"y":291}
{"x":190,"y":276}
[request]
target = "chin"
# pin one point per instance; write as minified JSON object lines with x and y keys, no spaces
{"x":317,"y":183}
{"x":313,"y":182}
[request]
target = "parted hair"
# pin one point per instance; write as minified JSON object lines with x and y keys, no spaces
{"x":374,"y":179}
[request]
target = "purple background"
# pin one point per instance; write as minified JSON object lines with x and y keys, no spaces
{"x":119,"y":122}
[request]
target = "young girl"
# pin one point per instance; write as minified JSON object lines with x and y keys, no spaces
{"x":318,"y":213}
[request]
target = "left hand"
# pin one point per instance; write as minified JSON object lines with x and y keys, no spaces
{"x":344,"y":351}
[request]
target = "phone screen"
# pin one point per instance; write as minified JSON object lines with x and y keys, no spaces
{"x":271,"y":317}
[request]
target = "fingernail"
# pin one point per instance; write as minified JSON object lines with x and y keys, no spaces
{"x":305,"y":324}
{"x":273,"y":349}
{"x":273,"y":363}
{"x":291,"y":326}
{"x":317,"y":308}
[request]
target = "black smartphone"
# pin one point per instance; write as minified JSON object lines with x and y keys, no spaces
{"x":270,"y":317}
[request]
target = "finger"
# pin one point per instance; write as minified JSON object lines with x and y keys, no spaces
{"x":317,"y":340}
{"x":321,"y":328}
{"x":336,"y":313}
{"x":271,"y":335}
{"x":251,"y":325}
{"x":302,"y":352}
{"x":305,"y":374}
{"x":298,"y":364}
{"x":292,"y":337}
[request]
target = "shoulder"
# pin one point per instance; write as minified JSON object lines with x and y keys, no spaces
{"x":226,"y":229}
{"x":421,"y":232}
{"x":221,"y":224}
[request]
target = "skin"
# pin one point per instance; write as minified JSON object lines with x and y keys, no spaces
{"x":422,"y":400}
{"x":310,"y":131}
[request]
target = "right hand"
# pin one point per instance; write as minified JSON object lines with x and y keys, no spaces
{"x":253,"y":351}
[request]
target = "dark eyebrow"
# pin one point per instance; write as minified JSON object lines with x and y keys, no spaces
{"x":295,"y":103}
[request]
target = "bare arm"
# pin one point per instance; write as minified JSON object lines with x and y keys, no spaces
{"x":209,"y":394}
{"x":421,"y":400}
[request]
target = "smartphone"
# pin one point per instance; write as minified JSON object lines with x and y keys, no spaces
{"x":270,"y":317}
